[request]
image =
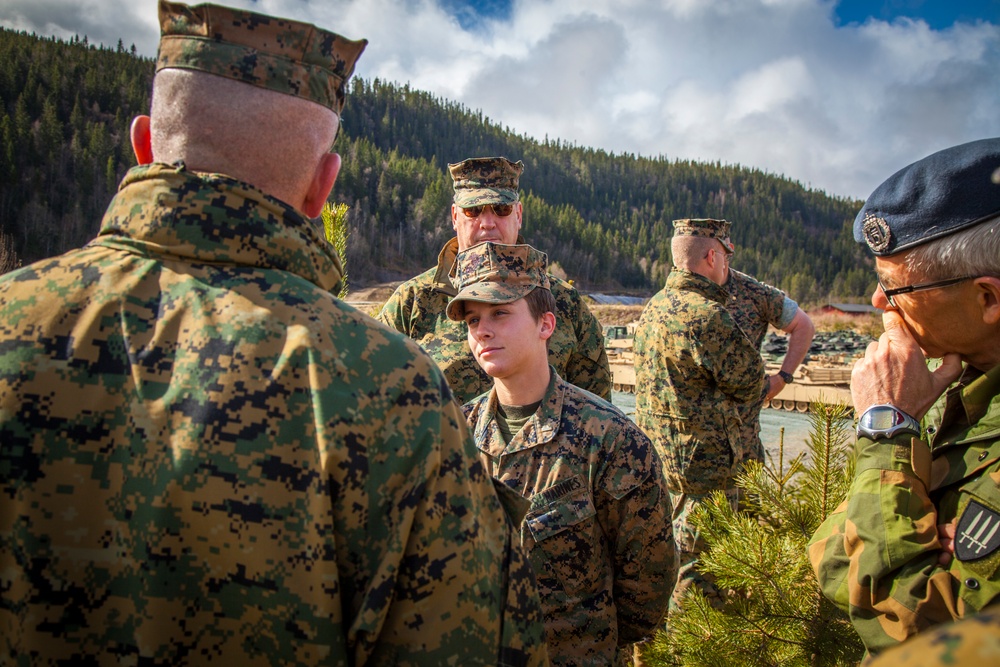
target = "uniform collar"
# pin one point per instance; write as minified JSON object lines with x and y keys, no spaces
{"x":166,"y":210}
{"x":968,"y":404}
{"x":541,"y":427}
{"x":687,"y":280}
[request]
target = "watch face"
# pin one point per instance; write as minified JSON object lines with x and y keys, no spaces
{"x":882,"y":419}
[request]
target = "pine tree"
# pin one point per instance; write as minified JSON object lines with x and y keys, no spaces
{"x":775,"y":614}
{"x":336,"y":230}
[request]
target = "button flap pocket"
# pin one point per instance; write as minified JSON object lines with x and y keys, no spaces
{"x":559,"y":507}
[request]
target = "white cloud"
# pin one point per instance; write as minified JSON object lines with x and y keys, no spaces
{"x":772,"y":84}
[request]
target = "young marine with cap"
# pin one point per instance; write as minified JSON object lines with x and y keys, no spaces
{"x":917,"y":541}
{"x":487,"y":207}
{"x":694,"y":372}
{"x":205,"y":457}
{"x":594,"y":517}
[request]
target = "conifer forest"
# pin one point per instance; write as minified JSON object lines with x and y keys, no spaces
{"x":603,"y":218}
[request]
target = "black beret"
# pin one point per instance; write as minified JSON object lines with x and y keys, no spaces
{"x":933,"y":197}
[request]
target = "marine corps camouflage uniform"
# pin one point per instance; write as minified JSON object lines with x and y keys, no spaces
{"x":876,"y":556}
{"x":206,"y":457}
{"x":597,"y":531}
{"x":755,"y":305}
{"x":694,"y":368}
{"x":417,"y":309}
{"x":204,"y":453}
{"x":972,"y":641}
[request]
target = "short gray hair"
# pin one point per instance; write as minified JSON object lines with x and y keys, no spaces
{"x":687,"y":251}
{"x":974,"y":251}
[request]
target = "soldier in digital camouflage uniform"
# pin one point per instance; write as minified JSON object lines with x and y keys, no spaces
{"x":972,"y":642}
{"x":916,"y":542}
{"x":204,"y":455}
{"x":594,"y":516}
{"x":755,"y":306}
{"x":488,"y":187}
{"x":694,"y":370}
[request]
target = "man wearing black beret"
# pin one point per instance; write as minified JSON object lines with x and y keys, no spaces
{"x":917,"y":541}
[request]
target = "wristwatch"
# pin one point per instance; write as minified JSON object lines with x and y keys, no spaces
{"x":787,"y":377}
{"x":886,"y":421}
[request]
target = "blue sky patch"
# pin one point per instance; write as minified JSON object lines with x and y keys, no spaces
{"x":470,"y":13}
{"x":938,"y":14}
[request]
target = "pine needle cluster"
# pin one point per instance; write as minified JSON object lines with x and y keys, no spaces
{"x":774,"y":613}
{"x":336,"y":230}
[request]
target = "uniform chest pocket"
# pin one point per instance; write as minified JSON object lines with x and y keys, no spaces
{"x":562,"y":525}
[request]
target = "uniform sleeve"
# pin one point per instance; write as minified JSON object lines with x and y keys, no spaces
{"x":395,"y":312}
{"x":876,"y":556}
{"x":588,"y":366}
{"x":452,"y":586}
{"x":635,"y":515}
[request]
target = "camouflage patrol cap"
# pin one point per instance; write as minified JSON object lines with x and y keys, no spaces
{"x":278,"y":54}
{"x":707,"y":227}
{"x":939,"y":195}
{"x":485,"y":180}
{"x":497,"y":273}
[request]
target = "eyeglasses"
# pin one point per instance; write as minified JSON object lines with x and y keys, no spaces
{"x":726,"y":251}
{"x":500,"y":210}
{"x":889,"y":293}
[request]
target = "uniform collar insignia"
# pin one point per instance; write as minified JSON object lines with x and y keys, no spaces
{"x":978,"y":533}
{"x":877,"y":232}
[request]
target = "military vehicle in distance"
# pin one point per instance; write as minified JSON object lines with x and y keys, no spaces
{"x":825,"y":375}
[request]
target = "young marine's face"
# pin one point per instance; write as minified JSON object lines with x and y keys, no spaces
{"x":487,"y":226}
{"x":505,"y":339}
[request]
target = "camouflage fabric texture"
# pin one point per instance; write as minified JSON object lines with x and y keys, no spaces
{"x":690,"y":545}
{"x":497,"y":273}
{"x":755,"y":305}
{"x":278,"y":54}
{"x":485,"y":180}
{"x":876,"y":555}
{"x":205,"y":455}
{"x":597,"y":531}
{"x":972,"y":641}
{"x":694,"y":369}
{"x":418,"y":309}
{"x":706,"y":227}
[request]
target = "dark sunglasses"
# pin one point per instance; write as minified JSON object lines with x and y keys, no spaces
{"x":500,"y":210}
{"x":889,"y":293}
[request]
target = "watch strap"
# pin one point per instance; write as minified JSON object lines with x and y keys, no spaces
{"x":787,"y":377}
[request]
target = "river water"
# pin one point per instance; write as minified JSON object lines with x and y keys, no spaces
{"x":796,"y":426}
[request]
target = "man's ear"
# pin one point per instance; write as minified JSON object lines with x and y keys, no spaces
{"x":322,"y":184}
{"x":547,"y":325}
{"x":454,"y":217}
{"x":141,"y":142}
{"x":989,"y":298}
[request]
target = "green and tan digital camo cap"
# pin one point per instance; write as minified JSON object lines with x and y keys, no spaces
{"x":278,"y":54}
{"x":497,"y":273}
{"x":707,"y":227}
{"x":485,"y":180}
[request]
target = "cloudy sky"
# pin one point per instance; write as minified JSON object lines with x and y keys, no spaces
{"x":835,"y":94}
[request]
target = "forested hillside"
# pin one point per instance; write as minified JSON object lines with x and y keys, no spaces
{"x":604,"y":218}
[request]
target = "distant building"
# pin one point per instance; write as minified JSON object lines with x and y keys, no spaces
{"x":850,"y":309}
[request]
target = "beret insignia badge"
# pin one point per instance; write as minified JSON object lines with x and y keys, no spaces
{"x":878,"y":236}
